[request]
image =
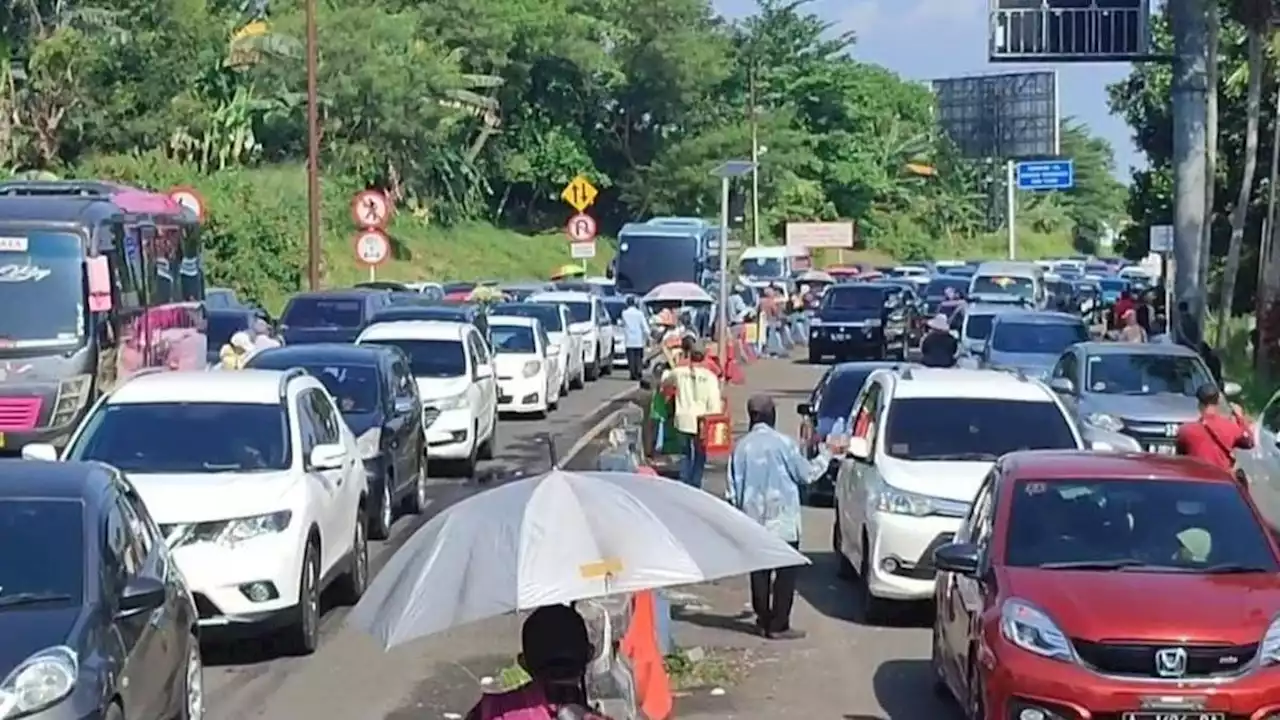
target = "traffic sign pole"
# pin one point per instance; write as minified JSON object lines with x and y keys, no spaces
{"x":1011,"y":208}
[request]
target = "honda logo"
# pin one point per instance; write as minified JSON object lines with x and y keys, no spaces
{"x":1171,"y":662}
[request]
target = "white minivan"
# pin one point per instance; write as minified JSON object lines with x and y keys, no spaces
{"x":588,"y":321}
{"x":456,"y":378}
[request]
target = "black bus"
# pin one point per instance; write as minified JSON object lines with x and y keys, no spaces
{"x":97,"y":282}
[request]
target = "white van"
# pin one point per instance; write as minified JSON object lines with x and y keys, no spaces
{"x":1024,"y":280}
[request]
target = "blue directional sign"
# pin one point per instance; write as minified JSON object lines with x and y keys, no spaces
{"x":1045,"y":174}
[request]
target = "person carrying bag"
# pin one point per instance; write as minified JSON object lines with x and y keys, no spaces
{"x":1214,"y":436}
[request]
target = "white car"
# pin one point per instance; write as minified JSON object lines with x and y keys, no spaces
{"x":529,"y":372}
{"x":555,"y":320}
{"x":589,"y":321}
{"x":255,"y":481}
{"x":922,"y":442}
{"x":455,"y":375}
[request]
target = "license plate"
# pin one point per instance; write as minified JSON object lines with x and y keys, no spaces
{"x":1174,"y":716}
{"x":1162,"y":449}
{"x":839,"y":336}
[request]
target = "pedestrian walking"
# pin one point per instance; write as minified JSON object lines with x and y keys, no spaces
{"x":635,"y":330}
{"x":697,"y":395}
{"x":765,"y":475}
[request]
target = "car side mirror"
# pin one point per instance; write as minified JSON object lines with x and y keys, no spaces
{"x":141,"y":595}
{"x":859,"y":449}
{"x":327,"y":457}
{"x":40,"y":451}
{"x":803,"y":409}
{"x":961,"y":558}
{"x":1062,"y":385}
{"x":1231,"y":390}
{"x":404,"y":406}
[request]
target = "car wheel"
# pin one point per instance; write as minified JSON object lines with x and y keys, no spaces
{"x":874,"y":610}
{"x":305,"y":632}
{"x":380,"y":522}
{"x":417,"y":501}
{"x":467,"y":468}
{"x":193,"y":682}
{"x":815,"y":357}
{"x":488,"y":446}
{"x":592,"y":372}
{"x":580,"y":381}
{"x":113,"y":713}
{"x":356,"y":581}
{"x":845,"y":569}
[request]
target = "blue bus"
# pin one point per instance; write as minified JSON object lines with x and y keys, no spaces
{"x":97,"y":282}
{"x":666,"y":249}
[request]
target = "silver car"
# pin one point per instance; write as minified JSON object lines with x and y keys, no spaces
{"x":1031,"y":341}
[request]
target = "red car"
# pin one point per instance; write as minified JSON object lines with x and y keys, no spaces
{"x":1089,"y":586}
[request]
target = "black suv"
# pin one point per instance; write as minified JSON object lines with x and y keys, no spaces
{"x":376,"y":393}
{"x":330,"y":316}
{"x":861,"y":320}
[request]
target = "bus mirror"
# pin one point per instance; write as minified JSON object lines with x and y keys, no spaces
{"x":98,"y":274}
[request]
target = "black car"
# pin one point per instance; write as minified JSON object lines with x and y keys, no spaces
{"x":448,"y":312}
{"x":830,"y":402}
{"x":868,"y":320}
{"x":96,"y":619}
{"x":377,"y":396}
{"x":330,"y":316}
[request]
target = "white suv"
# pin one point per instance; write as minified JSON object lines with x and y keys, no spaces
{"x":922,"y":440}
{"x":454,"y":370}
{"x":255,"y":481}
{"x":589,"y":321}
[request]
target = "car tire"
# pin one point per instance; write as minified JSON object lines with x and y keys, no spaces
{"x":416,"y":503}
{"x":467,"y":468}
{"x":875,"y":611}
{"x":356,"y":580}
{"x":385,"y":513}
{"x":193,"y":705}
{"x":815,"y":357}
{"x":580,"y":381}
{"x":488,"y":446}
{"x":592,"y":372}
{"x":304,"y":633}
{"x":844,"y":569}
{"x":113,"y":713}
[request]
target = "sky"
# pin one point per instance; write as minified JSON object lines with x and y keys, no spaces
{"x":931,"y":39}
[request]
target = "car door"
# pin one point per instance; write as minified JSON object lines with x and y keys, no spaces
{"x":332,"y":431}
{"x":1068,"y":368}
{"x":543,"y":345}
{"x":969,"y":593}
{"x":143,"y":671}
{"x":407,"y":428}
{"x":605,"y":327}
{"x":325,"y":483}
{"x":483,"y":390}
{"x":952,"y":617}
{"x":809,"y":419}
{"x":854,"y":475}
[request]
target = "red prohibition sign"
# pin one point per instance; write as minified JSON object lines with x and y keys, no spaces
{"x":581,"y":228}
{"x":371,"y":209}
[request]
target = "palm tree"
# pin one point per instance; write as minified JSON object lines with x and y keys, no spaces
{"x":1255,"y":15}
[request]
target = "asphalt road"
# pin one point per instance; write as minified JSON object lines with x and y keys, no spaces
{"x":244,"y":679}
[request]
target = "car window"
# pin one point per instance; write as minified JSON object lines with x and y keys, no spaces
{"x":149,"y":531}
{"x":481,"y":352}
{"x":838,"y":394}
{"x":1066,"y":367}
{"x":602,"y":316}
{"x":402,"y":379}
{"x":355,"y":387}
{"x":139,"y":532}
{"x":865,"y":424}
{"x":972,"y":429}
{"x":329,"y":430}
{"x":970,"y":529}
{"x":508,"y":339}
{"x":1149,"y":524}
{"x":308,"y":424}
{"x":120,"y":542}
{"x":1143,"y":374}
{"x":51,"y":538}
{"x":853,"y":297}
{"x":323,"y":312}
{"x":1036,"y":338}
{"x":978,"y":327}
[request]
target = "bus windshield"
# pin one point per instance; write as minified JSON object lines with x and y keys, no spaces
{"x":43,"y":274}
{"x":647,"y":261}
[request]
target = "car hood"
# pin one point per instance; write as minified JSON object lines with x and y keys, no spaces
{"x":1160,"y":408}
{"x":439,"y":388}
{"x":28,"y":630}
{"x":179,"y":498}
{"x":1151,"y":607}
{"x":957,"y":481}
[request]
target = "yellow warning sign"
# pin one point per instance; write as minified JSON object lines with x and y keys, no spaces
{"x":580,"y":193}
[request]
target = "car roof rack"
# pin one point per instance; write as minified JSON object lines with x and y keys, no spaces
{"x":290,"y":375}
{"x":906,"y":374}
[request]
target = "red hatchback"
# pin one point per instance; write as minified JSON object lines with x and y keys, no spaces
{"x":1088,"y":586}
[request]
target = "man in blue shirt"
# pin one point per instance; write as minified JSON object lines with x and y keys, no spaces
{"x":635,"y":330}
{"x":765,"y":475}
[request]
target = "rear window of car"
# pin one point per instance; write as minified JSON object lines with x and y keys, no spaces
{"x":321,"y":312}
{"x":852,"y":297}
{"x":1135,"y":526}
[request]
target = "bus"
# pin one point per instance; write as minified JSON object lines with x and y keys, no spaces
{"x":663,"y":250}
{"x":98,"y":282}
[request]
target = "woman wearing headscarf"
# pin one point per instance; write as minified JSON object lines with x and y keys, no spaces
{"x":236,"y":352}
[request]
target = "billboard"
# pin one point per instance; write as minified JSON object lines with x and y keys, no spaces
{"x":1004,"y":116}
{"x":1069,"y":30}
{"x":821,"y":234}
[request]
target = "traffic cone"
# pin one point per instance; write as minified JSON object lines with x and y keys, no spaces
{"x":733,"y":370}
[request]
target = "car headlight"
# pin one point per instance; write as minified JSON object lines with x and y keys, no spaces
{"x":888,"y":499}
{"x":1269,"y":648}
{"x":1030,"y":628}
{"x":229,"y":533}
{"x":72,"y":395}
{"x":457,"y":402}
{"x":531,"y":368}
{"x":39,"y":681}
{"x":1110,"y":423}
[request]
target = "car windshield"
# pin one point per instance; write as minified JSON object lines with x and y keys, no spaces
{"x":353,"y":387}
{"x":937,"y":287}
{"x":430,"y":358}
{"x":852,"y":297}
{"x":548,"y":314}
{"x":1023,"y":287}
{"x":51,"y":535}
{"x":761,"y":267}
{"x":978,"y":327}
{"x":1036,"y":338}
{"x":841,"y":391}
{"x":186,"y":437}
{"x":960,"y":428}
{"x":323,"y":312}
{"x":1142,"y":374}
{"x":512,"y":339}
{"x":1135,"y":525}
{"x":43,"y":274}
{"x":1113,"y":285}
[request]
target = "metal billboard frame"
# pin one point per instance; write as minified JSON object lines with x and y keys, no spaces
{"x":1037,"y":31}
{"x":1002,"y":116}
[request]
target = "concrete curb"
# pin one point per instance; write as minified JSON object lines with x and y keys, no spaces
{"x":603,"y":424}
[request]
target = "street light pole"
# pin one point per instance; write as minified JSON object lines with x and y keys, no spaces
{"x":755,"y":162}
{"x":1189,"y":24}
{"x":726,"y":172}
{"x":313,"y":149}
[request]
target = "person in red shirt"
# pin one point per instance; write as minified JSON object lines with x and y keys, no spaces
{"x":1215,"y":435}
{"x":1118,"y":311}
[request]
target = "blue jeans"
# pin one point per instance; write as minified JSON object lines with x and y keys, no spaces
{"x":773,"y":344}
{"x":693,"y":463}
{"x":800,"y":329}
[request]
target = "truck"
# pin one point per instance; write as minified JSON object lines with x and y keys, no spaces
{"x":666,"y":249}
{"x":98,"y":282}
{"x":764,"y":265}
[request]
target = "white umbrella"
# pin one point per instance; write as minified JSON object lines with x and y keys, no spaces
{"x":683,"y":292}
{"x":559,"y":538}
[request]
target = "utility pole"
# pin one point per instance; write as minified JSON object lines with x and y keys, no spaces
{"x":1189,"y":21}
{"x":755,"y":156}
{"x":313,"y":148}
